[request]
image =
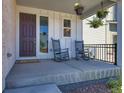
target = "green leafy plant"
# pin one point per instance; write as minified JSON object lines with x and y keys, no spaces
{"x":115,"y":85}
{"x":102,"y":13}
{"x":95,"y":23}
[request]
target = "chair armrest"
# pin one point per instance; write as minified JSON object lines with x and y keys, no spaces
{"x":65,"y":49}
{"x":79,"y":49}
{"x":57,"y":52}
{"x":86,"y":50}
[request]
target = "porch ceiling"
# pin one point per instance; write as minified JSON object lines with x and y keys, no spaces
{"x":90,"y":6}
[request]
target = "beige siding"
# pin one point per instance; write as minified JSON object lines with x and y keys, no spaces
{"x":91,"y":35}
{"x":8,"y":37}
{"x":100,"y":35}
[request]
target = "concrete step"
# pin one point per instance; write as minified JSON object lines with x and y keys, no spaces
{"x":48,"y":88}
{"x":24,"y":75}
{"x":64,"y":78}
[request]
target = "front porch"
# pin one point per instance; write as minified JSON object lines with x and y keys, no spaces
{"x":60,"y":73}
{"x":29,"y":25}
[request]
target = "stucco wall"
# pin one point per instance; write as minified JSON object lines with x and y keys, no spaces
{"x":8,"y":37}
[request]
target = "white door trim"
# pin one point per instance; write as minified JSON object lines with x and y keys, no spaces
{"x":30,"y":11}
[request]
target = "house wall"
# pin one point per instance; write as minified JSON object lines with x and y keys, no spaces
{"x":112,"y":16}
{"x":101,"y":35}
{"x":91,"y":35}
{"x":55,"y":30}
{"x":8,"y":37}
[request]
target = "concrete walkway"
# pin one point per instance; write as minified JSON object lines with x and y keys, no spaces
{"x":49,"y":88}
{"x":48,"y":71}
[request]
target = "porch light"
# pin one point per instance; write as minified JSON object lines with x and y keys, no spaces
{"x":78,"y":8}
{"x":76,"y":4}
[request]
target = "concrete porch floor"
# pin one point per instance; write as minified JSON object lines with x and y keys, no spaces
{"x":48,"y":71}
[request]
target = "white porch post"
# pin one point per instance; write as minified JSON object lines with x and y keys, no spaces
{"x":119,"y":31}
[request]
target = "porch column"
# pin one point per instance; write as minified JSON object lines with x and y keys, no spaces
{"x":119,"y":32}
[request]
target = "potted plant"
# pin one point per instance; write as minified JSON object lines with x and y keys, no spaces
{"x":95,"y":23}
{"x":102,"y":13}
{"x":79,"y":9}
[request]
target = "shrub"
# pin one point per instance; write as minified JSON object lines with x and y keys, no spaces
{"x":115,"y":85}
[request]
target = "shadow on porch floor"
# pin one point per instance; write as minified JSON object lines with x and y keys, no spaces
{"x":60,"y":73}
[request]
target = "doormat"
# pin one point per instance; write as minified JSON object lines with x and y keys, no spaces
{"x":27,"y":61}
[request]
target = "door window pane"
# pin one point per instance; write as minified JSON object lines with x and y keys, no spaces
{"x":67,"y":28}
{"x":67,"y":32}
{"x":43,"y":34}
{"x":67,"y":23}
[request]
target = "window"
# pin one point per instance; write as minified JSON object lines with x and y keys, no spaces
{"x":43,"y":34}
{"x":67,"y":23}
{"x":67,"y":28}
{"x":113,"y":27}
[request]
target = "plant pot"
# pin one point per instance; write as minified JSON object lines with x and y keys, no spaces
{"x":95,"y":23}
{"x":102,"y":14}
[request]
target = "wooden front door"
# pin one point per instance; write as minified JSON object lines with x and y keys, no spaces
{"x":27,"y":35}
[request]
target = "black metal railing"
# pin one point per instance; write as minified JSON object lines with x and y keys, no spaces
{"x":103,"y":52}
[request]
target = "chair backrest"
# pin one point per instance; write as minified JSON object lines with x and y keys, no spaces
{"x":79,"y":45}
{"x":56,"y":45}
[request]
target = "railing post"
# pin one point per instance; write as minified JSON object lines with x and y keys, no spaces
{"x":115,"y":54}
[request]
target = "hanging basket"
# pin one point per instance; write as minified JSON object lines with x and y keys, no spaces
{"x":102,"y":14}
{"x":95,"y":23}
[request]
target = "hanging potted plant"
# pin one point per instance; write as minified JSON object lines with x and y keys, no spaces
{"x":79,"y":9}
{"x":95,"y":23}
{"x":102,"y":13}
